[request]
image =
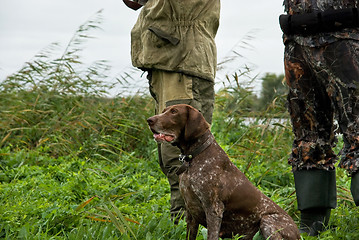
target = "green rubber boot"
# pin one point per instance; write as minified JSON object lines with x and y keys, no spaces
{"x":316,"y":196}
{"x":354,"y":188}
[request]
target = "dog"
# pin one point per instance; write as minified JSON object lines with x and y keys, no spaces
{"x":217,"y":194}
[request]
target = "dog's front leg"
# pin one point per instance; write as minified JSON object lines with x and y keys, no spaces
{"x":192,"y":227}
{"x":214,"y":216}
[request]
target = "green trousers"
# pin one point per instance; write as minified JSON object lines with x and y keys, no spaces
{"x":170,"y":88}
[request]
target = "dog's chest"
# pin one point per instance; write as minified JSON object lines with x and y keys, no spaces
{"x":199,"y":182}
{"x":201,"y":175}
{"x":195,"y":191}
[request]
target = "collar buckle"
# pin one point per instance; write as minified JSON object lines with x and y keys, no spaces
{"x":185,"y":158}
{"x":181,"y":158}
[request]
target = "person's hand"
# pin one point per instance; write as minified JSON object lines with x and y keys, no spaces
{"x":132,"y":4}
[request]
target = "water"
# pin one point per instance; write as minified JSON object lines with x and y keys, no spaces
{"x":270,"y":122}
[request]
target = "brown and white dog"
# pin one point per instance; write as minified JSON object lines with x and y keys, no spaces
{"x":216,"y":193}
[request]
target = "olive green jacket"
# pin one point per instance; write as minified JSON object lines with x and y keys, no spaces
{"x":177,"y":35}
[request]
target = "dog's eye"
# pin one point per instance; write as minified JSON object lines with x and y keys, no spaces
{"x":174,"y":111}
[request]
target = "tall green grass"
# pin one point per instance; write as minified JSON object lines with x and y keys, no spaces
{"x":78,"y":164}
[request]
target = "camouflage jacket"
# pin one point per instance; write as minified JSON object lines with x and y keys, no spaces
{"x":320,"y":39}
{"x":176,"y":35}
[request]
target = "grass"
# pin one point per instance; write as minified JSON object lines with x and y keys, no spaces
{"x":107,"y":184}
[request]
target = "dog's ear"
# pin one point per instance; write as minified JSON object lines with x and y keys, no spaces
{"x":196,"y":125}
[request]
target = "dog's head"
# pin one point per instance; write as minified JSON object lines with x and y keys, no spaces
{"x":177,"y":124}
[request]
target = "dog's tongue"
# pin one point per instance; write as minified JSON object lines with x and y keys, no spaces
{"x":162,"y":137}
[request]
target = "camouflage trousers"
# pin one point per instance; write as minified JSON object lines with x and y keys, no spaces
{"x":323,"y":86}
{"x":170,"y":88}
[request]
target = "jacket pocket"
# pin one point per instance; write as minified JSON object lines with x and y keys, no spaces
{"x":164,"y":36}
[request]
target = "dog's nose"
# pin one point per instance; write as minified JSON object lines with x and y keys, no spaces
{"x":151,"y":121}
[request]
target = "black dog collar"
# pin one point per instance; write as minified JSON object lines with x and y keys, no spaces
{"x":185,"y":159}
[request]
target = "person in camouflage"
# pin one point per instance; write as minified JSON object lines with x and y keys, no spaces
{"x":322,"y":72}
{"x":174,"y":42}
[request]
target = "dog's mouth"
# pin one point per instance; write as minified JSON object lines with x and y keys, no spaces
{"x":163,"y":137}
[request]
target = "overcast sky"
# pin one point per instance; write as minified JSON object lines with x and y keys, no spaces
{"x":28,"y":26}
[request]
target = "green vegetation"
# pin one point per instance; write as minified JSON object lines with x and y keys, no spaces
{"x":75,"y":164}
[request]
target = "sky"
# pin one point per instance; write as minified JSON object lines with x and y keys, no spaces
{"x":247,"y":28}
